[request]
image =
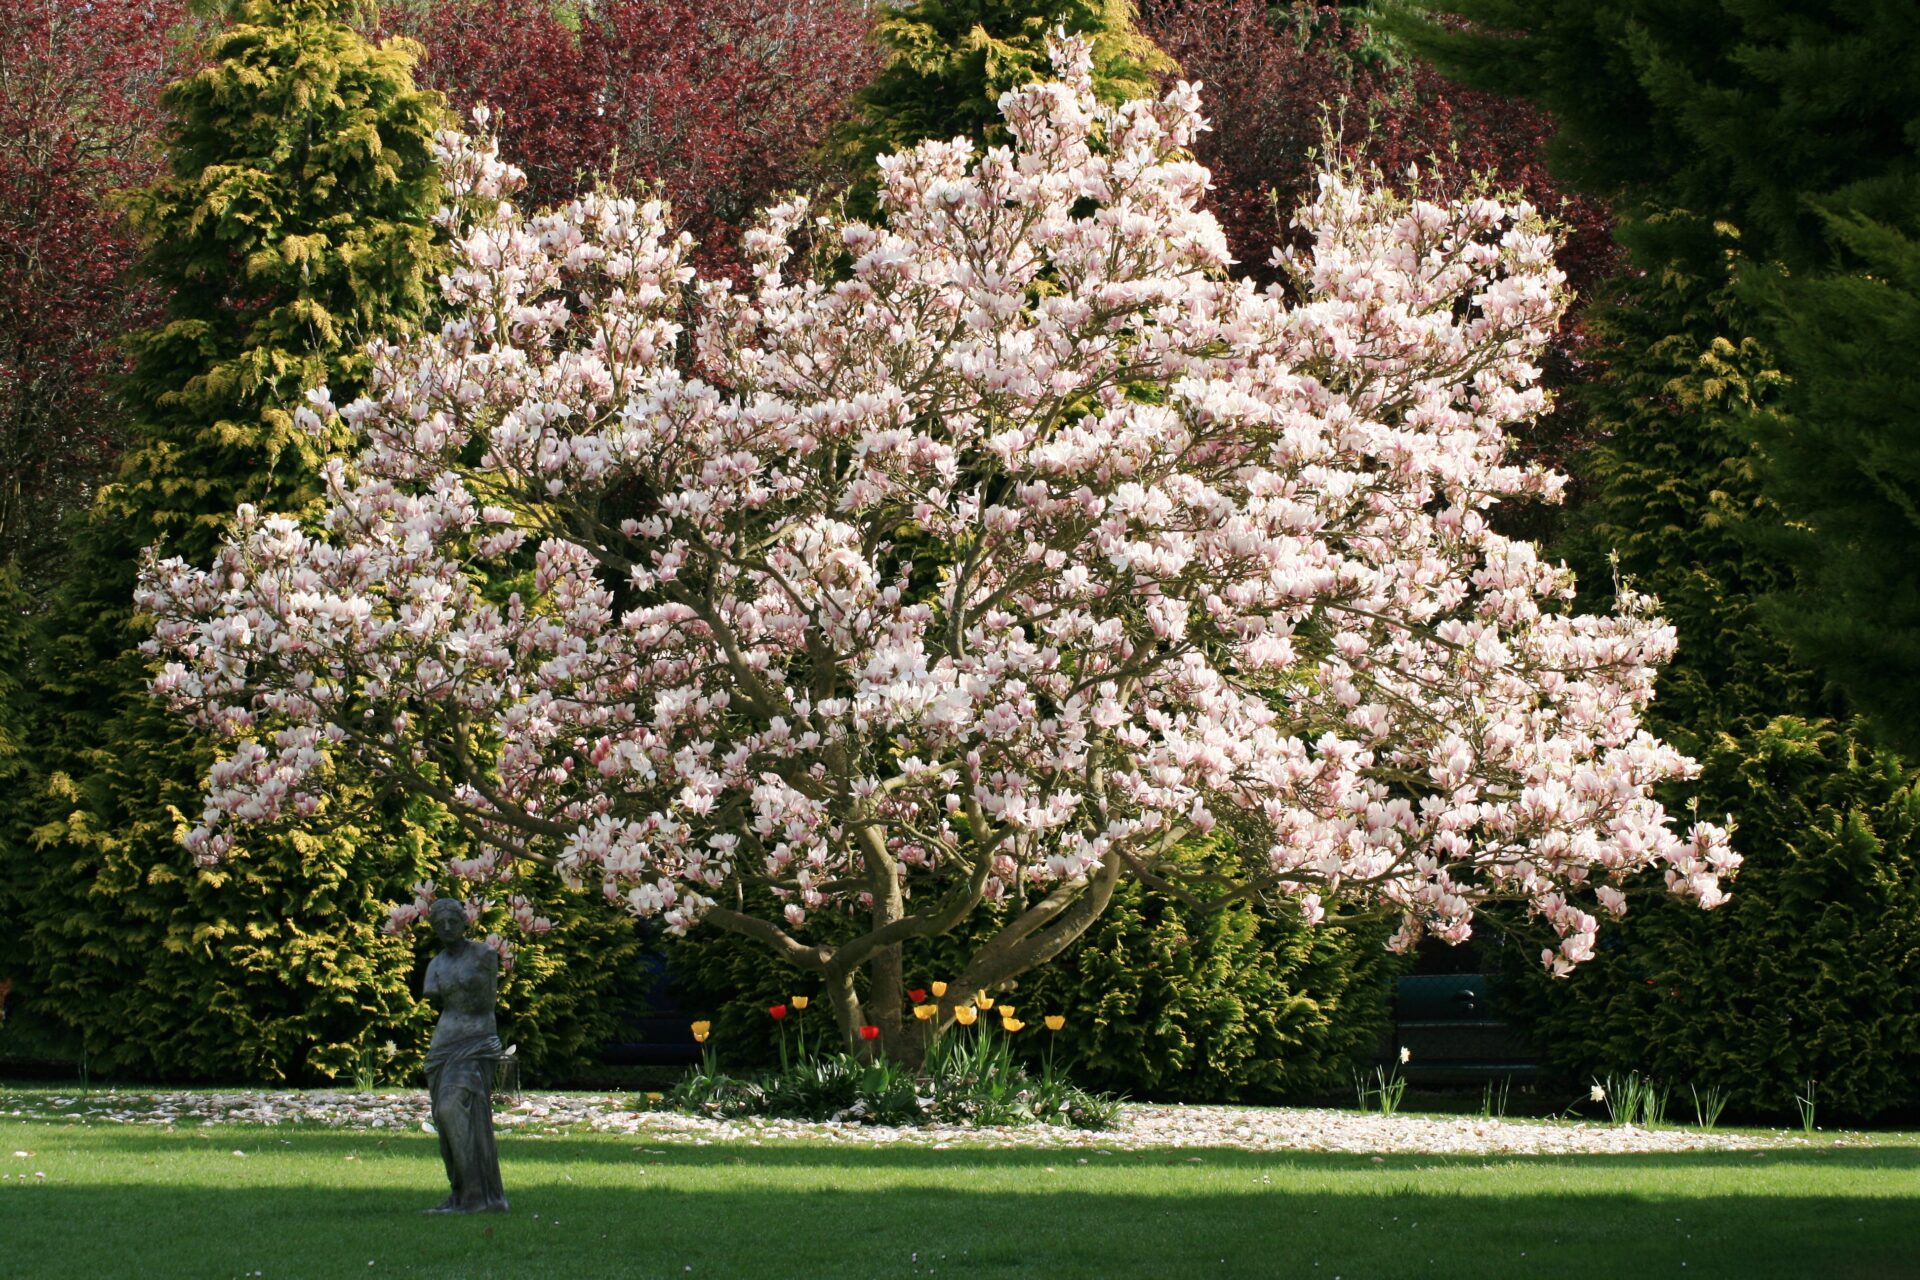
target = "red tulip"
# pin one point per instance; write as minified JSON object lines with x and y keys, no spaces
{"x":777,"y":1012}
{"x":869,"y":1033}
{"x":917,"y":994}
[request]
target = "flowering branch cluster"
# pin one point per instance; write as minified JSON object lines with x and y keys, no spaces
{"x":976,"y":556}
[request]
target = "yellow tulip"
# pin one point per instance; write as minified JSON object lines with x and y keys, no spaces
{"x":939,"y":989}
{"x":965,"y":1015}
{"x":701,"y":1030}
{"x":1011,"y":1024}
{"x":1055,"y":1021}
{"x":800,"y":1002}
{"x":925,"y":1011}
{"x":1006,"y":1011}
{"x":985,"y":1001}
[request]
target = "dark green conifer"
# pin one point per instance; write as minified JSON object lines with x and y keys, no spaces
{"x":1763,"y":479}
{"x":1812,"y":971}
{"x":1799,"y":125}
{"x":294,"y":224}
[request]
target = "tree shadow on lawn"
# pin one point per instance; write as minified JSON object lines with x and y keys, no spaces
{"x":611,"y":1206}
{"x":618,"y":1148}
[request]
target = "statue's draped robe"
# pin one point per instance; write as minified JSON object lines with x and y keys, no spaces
{"x":460,"y":1080}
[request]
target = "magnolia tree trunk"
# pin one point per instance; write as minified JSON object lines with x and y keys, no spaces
{"x":1033,"y":938}
{"x":887,"y":988}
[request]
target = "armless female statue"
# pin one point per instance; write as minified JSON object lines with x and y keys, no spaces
{"x":460,"y":1062}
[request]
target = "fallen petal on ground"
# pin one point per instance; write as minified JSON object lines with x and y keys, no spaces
{"x":1143,"y":1126}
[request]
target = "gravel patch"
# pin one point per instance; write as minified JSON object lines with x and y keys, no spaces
{"x":1143,"y":1126}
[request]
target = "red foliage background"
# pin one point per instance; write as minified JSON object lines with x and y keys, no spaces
{"x":723,"y":103}
{"x":1274,"y":79}
{"x":79,"y":117}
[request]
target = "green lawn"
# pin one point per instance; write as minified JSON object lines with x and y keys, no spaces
{"x":308,"y":1202}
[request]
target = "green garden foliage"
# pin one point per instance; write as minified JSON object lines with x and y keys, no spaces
{"x":563,"y":997}
{"x":950,"y":60}
{"x":1799,"y":124}
{"x":1762,"y":478}
{"x":1841,"y":455}
{"x":1674,"y":484}
{"x":1775,"y":114}
{"x":1812,"y":971}
{"x":1161,"y":999}
{"x":16,"y":776}
{"x":295,"y":223}
{"x":1167,"y":1002}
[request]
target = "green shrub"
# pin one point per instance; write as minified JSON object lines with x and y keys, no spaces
{"x":1164,"y":1001}
{"x":294,"y":224}
{"x":1812,"y":971}
{"x":948,"y":62}
{"x":562,"y":1000}
{"x":16,"y":774}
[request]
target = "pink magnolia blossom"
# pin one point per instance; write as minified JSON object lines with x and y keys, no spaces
{"x":979,"y":555}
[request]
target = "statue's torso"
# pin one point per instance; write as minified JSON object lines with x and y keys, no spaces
{"x":464,"y":983}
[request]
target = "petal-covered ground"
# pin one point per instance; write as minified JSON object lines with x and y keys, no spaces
{"x":1143,"y":1126}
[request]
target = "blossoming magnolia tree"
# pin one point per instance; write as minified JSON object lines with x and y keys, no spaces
{"x":992,"y":551}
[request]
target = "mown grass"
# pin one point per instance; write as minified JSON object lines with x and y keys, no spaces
{"x":121,"y":1200}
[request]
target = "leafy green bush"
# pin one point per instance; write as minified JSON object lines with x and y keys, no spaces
{"x":16,"y":775}
{"x":562,"y":1000}
{"x":1812,"y":971}
{"x":1168,"y":1002}
{"x":948,"y":62}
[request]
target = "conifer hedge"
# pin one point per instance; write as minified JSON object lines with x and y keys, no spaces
{"x":1812,"y":971}
{"x":948,"y":62}
{"x":1794,"y":121}
{"x":294,"y":224}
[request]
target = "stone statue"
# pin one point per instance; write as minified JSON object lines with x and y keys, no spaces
{"x":460,"y":1063}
